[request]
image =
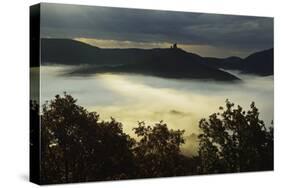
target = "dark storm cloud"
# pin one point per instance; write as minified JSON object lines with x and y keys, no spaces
{"x":231,"y":32}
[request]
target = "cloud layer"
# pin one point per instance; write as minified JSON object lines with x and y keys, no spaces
{"x":234,"y":33}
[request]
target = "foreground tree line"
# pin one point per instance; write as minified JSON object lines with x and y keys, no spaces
{"x":77,"y":146}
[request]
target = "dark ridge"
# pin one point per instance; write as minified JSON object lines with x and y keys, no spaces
{"x":225,"y":63}
{"x":162,"y":62}
{"x":259,"y":63}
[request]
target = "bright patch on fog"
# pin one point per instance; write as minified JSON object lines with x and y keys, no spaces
{"x":179,"y":103}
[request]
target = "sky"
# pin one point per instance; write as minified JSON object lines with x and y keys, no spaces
{"x":213,"y":35}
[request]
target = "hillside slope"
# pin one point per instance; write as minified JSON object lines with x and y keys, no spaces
{"x":163,"y":62}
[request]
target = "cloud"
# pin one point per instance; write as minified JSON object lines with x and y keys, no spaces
{"x":179,"y":103}
{"x":191,"y":146}
{"x":203,"y":50}
{"x":220,"y":31}
{"x":179,"y":113}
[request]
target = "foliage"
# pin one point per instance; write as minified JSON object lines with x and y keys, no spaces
{"x":235,"y":141}
{"x":77,"y":146}
{"x":158,"y":151}
{"x":34,"y":140}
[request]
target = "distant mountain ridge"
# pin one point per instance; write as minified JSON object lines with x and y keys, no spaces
{"x":167,"y":63}
{"x":162,"y":62}
{"x":259,"y":63}
{"x":225,"y":63}
{"x":72,"y":52}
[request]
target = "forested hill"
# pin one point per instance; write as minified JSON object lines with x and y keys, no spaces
{"x":162,"y":62}
{"x":259,"y":63}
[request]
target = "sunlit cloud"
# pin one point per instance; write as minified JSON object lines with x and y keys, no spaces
{"x":106,"y":43}
{"x":202,"y":50}
{"x":179,"y":103}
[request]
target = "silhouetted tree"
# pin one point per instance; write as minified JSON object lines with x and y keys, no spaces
{"x":76,"y":146}
{"x":235,"y":141}
{"x":34,"y":140}
{"x":158,"y":151}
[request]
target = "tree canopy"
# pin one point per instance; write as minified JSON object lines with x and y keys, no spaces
{"x":234,"y":140}
{"x":77,"y":146}
{"x":158,"y":152}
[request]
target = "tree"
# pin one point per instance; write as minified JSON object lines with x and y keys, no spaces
{"x":235,"y":141}
{"x":158,"y":151}
{"x":34,"y":140}
{"x":76,"y":146}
